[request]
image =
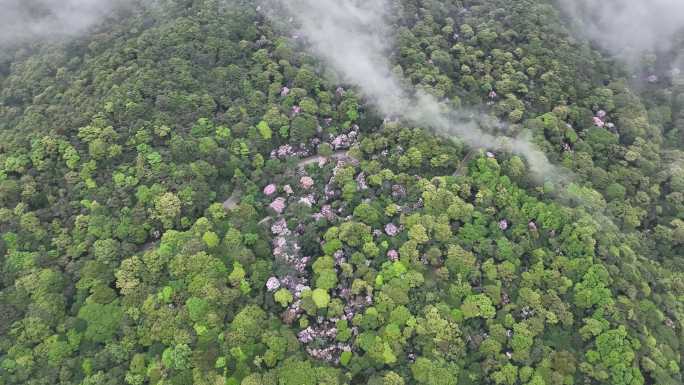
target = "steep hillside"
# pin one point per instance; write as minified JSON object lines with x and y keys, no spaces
{"x":188,"y":196}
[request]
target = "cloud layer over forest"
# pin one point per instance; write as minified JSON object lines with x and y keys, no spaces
{"x":22,"y":21}
{"x":354,"y":38}
{"x":627,"y":27}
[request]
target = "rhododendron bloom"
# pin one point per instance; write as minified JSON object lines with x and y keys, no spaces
{"x":598,"y":122}
{"x":272,"y":284}
{"x":270,"y":189}
{"x":306,"y":182}
{"x":391,"y":229}
{"x":503,"y":224}
{"x":278,"y":205}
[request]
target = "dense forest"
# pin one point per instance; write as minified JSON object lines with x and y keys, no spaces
{"x":188,"y":195}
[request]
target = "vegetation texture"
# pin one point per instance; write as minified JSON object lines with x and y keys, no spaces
{"x":187,"y":197}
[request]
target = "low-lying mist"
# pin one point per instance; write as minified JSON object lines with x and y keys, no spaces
{"x":26,"y":21}
{"x":353,"y":37}
{"x":627,"y":28}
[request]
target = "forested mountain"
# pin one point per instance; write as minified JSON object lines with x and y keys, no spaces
{"x":188,"y":195}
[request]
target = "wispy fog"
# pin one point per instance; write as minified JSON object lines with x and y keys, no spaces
{"x":354,"y":38}
{"x":627,"y":28}
{"x":23,"y":21}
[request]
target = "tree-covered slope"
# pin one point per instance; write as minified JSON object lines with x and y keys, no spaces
{"x":188,"y":197}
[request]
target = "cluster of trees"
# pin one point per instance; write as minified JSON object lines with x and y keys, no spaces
{"x":434,"y":264}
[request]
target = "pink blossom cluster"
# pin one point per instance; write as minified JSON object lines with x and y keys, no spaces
{"x":270,"y":189}
{"x":284,"y":91}
{"x":306,"y":182}
{"x":322,"y":215}
{"x":279,"y":227}
{"x":327,"y":212}
{"x":310,"y":333}
{"x":273,"y":284}
{"x":330,"y":353}
{"x":286,"y":250}
{"x":278,"y":205}
{"x":301,"y":264}
{"x":305,"y":336}
{"x":361,"y":181}
{"x":299,"y":288}
{"x":503,"y":224}
{"x":598,"y":122}
{"x":344,"y":141}
{"x":329,"y":191}
{"x":341,"y":141}
{"x":391,"y":229}
{"x":339,"y":257}
{"x":393,"y":255}
{"x":282,"y":151}
{"x":324,"y":331}
{"x":280,"y":248}
{"x":308,"y":200}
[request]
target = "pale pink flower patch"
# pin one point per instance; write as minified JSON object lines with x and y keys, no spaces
{"x":273,"y":284}
{"x":503,"y":224}
{"x":270,"y":189}
{"x":306,"y":182}
{"x":598,"y":122}
{"x":278,"y":205}
{"x":391,"y":229}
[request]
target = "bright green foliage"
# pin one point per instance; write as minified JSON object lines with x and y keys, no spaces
{"x":345,"y":357}
{"x":479,"y":305}
{"x":264,"y":130}
{"x":430,"y":372}
{"x":211,"y":239}
{"x":167,"y":209}
{"x":237,"y":275}
{"x":103,"y":320}
{"x":197,"y":308}
{"x":136,"y":241}
{"x":321,"y":298}
{"x":614,"y":355}
{"x":283,"y":297}
{"x":177,"y":357}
